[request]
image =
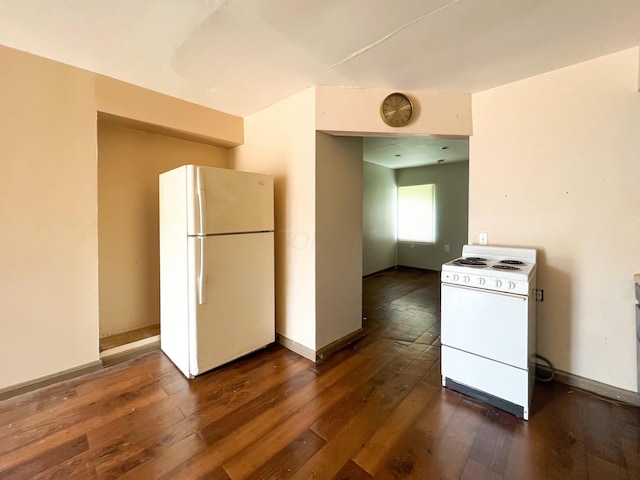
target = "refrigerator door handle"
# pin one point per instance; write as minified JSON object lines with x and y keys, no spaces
{"x":202,"y":272}
{"x":202,"y":200}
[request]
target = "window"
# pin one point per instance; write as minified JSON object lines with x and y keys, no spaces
{"x":416,"y":213}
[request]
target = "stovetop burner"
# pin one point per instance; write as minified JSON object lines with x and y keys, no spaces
{"x":472,"y":262}
{"x":507,"y":264}
{"x":512,"y":262}
{"x":504,"y":267}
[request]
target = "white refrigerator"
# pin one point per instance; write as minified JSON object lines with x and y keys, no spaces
{"x":216,"y":266}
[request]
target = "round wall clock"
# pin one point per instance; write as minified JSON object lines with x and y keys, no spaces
{"x":396,"y":110}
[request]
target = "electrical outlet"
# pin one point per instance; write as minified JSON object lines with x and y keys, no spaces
{"x":447,"y":249}
{"x":539,"y":295}
{"x":483,"y":238}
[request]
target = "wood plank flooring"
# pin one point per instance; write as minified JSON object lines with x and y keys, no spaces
{"x":375,"y":409}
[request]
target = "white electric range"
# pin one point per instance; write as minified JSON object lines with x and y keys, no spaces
{"x":489,"y":325}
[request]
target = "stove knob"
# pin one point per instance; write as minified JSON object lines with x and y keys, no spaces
{"x":455,"y":277}
{"x":497,"y":283}
{"x":466,"y":279}
{"x":480,"y":281}
{"x":511,"y":285}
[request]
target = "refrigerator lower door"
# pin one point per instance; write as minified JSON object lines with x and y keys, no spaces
{"x":236,"y":314}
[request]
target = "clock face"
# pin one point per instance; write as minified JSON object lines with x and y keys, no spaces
{"x":396,"y":110}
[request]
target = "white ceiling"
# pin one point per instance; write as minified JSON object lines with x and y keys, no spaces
{"x":239,"y":56}
{"x":405,"y":152}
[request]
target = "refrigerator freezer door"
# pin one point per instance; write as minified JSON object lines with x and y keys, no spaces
{"x":228,"y":201}
{"x":237,"y":316}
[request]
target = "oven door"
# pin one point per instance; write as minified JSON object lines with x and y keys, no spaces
{"x":493,"y":325}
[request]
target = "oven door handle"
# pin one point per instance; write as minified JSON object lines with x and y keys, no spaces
{"x":484,"y":290}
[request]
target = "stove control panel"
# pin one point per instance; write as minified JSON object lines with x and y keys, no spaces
{"x":486,"y":282}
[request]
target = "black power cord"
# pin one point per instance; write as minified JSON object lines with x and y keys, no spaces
{"x":552,"y":371}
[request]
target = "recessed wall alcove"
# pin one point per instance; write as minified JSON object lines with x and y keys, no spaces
{"x":131,"y":155}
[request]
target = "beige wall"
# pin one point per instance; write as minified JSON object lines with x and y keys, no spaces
{"x":129,"y":162}
{"x":281,"y":140}
{"x":167,"y":114}
{"x":48,"y":223}
{"x":338,"y":237}
{"x":379,"y":205}
{"x":356,"y":111}
{"x":554,"y":164}
{"x":49,"y":204}
{"x":452,"y":214}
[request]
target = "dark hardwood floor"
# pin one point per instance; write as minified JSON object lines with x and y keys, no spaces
{"x":375,"y":409}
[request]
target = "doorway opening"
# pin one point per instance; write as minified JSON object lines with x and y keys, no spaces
{"x":393,"y":163}
{"x":401,"y":278}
